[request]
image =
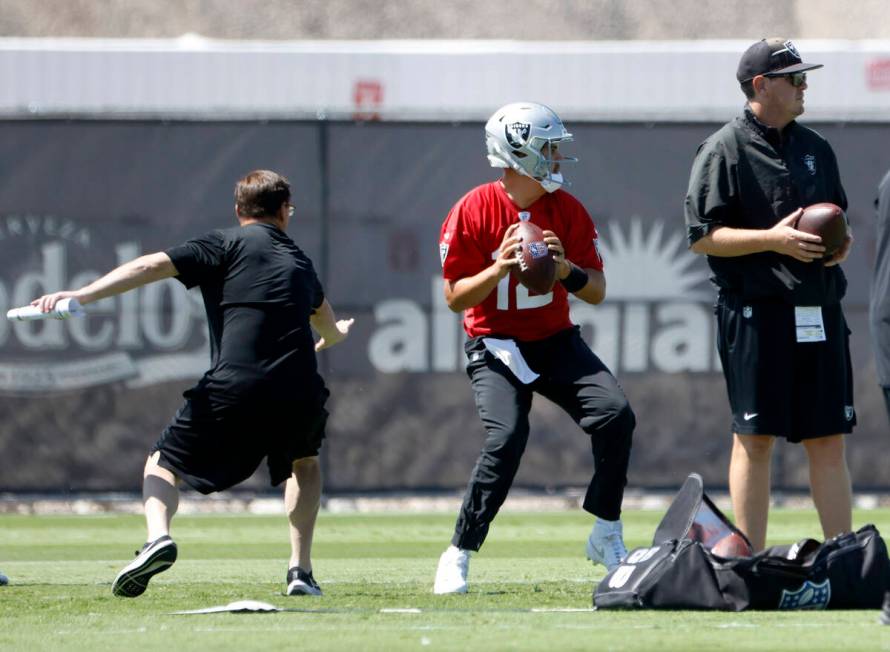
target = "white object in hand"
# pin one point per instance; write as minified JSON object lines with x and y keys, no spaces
{"x":64,"y":309}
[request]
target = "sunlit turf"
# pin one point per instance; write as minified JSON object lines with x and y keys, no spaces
{"x":530,"y":588}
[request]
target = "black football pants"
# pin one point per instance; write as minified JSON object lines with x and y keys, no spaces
{"x":574,"y":378}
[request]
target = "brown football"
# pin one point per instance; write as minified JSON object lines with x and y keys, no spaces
{"x":732,"y":545}
{"x":536,"y":269}
{"x":828,"y":222}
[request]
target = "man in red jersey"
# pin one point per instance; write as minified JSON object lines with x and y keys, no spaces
{"x":521,"y":343}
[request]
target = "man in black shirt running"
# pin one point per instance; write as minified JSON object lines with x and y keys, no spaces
{"x":262,"y":396}
{"x":782,"y":336}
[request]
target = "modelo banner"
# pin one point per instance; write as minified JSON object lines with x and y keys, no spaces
{"x":82,"y":400}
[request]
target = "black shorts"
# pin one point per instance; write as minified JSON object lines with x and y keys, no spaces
{"x":213,"y":447}
{"x":778,"y":386}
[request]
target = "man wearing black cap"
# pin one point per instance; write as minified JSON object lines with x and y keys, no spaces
{"x":782,"y":336}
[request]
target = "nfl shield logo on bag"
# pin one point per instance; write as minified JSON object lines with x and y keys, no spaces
{"x":809,"y":596}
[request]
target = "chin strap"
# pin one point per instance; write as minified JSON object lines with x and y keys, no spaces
{"x":553,"y":182}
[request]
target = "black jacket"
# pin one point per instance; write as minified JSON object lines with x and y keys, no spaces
{"x":749,"y":176}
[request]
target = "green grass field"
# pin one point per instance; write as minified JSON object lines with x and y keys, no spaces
{"x":530,"y":589}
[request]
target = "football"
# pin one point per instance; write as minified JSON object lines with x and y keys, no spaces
{"x":828,"y":222}
{"x":732,"y":545}
{"x":536,"y":269}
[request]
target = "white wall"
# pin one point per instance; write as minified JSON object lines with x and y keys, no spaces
{"x":418,"y":80}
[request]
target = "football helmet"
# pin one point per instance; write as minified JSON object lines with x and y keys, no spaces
{"x":524,"y":136}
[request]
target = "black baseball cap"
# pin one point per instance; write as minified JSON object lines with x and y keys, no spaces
{"x":772,"y":57}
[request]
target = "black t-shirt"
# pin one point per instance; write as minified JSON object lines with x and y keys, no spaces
{"x":749,"y":176}
{"x":259,"y":290}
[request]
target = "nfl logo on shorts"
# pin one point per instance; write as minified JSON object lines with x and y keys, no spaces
{"x":808,"y":596}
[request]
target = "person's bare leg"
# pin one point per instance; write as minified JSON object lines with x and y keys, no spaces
{"x":302,"y":497}
{"x":830,"y":484}
{"x":160,"y":495}
{"x":160,"y":498}
{"x":749,"y":485}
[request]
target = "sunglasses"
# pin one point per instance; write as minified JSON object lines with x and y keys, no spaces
{"x":796,"y":79}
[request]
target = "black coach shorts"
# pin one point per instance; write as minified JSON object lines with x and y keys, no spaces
{"x":777,"y":385}
{"x":213,"y":447}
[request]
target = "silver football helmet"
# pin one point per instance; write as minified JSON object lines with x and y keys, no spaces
{"x":524,"y":136}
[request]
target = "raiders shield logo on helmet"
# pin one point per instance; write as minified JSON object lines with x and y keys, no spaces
{"x":517,"y":133}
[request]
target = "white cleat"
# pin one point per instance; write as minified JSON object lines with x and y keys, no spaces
{"x":451,"y":575}
{"x":605,"y":545}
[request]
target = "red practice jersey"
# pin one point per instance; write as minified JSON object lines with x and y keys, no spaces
{"x":469,"y":241}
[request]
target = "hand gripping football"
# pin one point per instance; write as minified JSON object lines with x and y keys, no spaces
{"x":536,"y":269}
{"x":828,"y":222}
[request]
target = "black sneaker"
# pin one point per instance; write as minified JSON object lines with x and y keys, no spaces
{"x":299,"y":582}
{"x":885,"y":609}
{"x":155,"y":557}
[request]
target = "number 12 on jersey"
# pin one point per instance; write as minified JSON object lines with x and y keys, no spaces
{"x":523,"y":299}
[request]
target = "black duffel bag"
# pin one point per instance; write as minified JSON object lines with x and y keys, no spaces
{"x":850,"y":571}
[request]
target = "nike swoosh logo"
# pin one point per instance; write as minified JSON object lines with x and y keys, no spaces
{"x":750,"y":415}
{"x":599,"y":552}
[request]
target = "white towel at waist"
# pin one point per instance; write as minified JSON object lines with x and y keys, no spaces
{"x":507,"y":352}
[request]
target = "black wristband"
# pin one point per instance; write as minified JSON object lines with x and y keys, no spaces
{"x":576,"y":279}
